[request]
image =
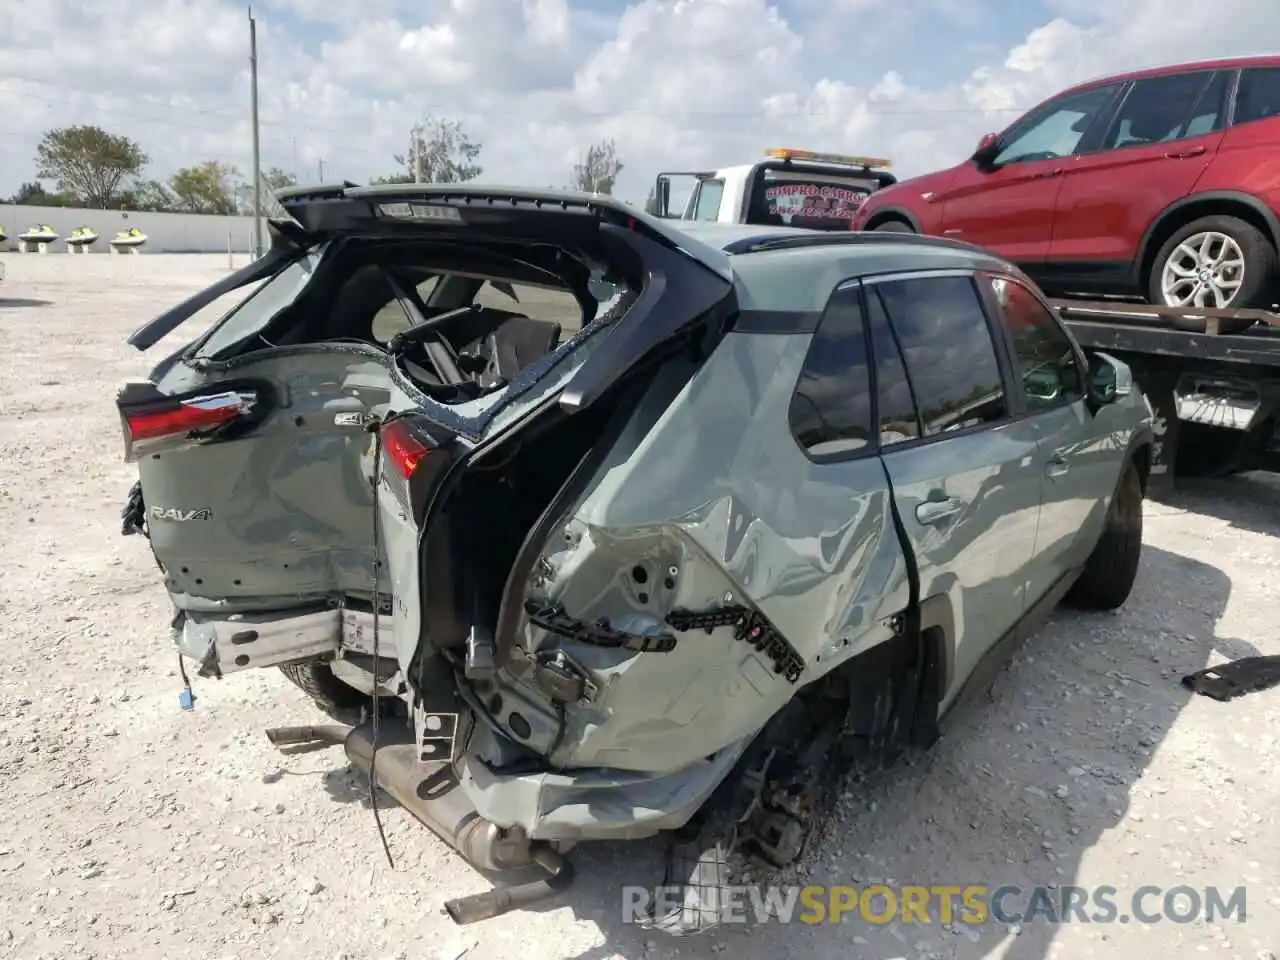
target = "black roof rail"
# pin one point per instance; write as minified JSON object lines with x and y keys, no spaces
{"x":835,"y":238}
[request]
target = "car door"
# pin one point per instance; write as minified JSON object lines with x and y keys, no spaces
{"x":1008,"y":205}
{"x":254,"y":471}
{"x":963,"y":470}
{"x":1073,"y":462}
{"x":1160,"y":140}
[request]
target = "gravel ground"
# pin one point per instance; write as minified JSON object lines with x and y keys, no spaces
{"x":132,"y":829}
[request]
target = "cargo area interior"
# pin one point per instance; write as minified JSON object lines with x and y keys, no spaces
{"x":459,"y":321}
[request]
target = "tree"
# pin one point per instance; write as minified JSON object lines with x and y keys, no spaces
{"x":445,"y":152}
{"x":35,"y":195}
{"x":149,"y":196}
{"x":207,"y":187}
{"x":88,"y":163}
{"x":598,"y":171}
{"x":276,"y":180}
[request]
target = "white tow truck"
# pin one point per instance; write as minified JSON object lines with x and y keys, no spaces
{"x":789,"y":187}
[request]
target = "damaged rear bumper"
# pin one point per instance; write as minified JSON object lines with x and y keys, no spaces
{"x":595,"y":804}
{"x":220,"y":644}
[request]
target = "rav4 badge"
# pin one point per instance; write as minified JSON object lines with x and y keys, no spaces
{"x":180,"y":516}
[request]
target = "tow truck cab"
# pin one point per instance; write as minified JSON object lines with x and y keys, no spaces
{"x":797,"y":188}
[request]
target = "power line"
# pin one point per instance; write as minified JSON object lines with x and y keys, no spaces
{"x":523,"y":111}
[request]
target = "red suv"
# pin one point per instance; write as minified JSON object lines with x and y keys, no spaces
{"x":1163,"y":184}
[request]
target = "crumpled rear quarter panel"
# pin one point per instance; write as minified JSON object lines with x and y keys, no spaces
{"x":704,"y":501}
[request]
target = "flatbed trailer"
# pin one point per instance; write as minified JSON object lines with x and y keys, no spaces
{"x":1215,"y":390}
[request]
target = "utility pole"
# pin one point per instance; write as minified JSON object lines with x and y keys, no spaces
{"x":257,"y":157}
{"x":293,"y":142}
{"x":322,"y":169}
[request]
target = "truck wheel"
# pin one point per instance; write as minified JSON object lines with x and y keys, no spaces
{"x":1218,"y":261}
{"x":335,"y":698}
{"x":893,"y":226}
{"x":1108,"y":574}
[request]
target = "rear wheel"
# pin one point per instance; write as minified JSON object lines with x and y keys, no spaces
{"x":893,"y":226}
{"x":1216,"y":261}
{"x":340,"y":701}
{"x":1109,"y":573}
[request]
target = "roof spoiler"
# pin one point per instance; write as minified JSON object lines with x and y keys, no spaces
{"x":507,"y":212}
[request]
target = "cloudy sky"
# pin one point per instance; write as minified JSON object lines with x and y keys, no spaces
{"x":679,"y":84}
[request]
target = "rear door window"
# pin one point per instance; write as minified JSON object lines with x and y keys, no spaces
{"x":896,"y":412}
{"x":1163,"y":109}
{"x":949,"y":351}
{"x":815,"y":201}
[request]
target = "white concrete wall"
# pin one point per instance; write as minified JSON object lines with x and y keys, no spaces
{"x":166,"y":232}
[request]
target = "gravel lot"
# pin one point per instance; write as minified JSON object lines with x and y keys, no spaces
{"x":132,"y":829}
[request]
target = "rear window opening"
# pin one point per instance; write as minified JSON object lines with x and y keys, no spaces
{"x":457,"y":333}
{"x":817,"y":201}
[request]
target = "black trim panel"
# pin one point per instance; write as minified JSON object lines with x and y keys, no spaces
{"x":775,"y":321}
{"x":1083,"y":276}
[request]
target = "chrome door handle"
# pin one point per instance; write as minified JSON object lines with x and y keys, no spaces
{"x":935,"y":511}
{"x":1057,"y":466}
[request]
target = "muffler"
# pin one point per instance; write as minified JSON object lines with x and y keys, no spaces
{"x":431,"y":792}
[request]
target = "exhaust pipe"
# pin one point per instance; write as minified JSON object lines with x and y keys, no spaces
{"x":431,"y":793}
{"x":294,"y":736}
{"x":486,"y":906}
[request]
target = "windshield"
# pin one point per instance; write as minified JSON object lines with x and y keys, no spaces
{"x":253,"y":313}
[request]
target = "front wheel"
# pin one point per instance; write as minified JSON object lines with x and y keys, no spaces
{"x":1215,"y":262}
{"x":893,"y":226}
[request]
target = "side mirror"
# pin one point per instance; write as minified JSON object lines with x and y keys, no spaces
{"x":987,"y":149}
{"x":1109,"y":380}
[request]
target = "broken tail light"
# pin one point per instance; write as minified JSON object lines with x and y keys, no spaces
{"x":403,"y":449}
{"x":158,"y":425}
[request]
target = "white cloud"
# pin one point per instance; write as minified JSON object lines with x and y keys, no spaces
{"x":678,"y":83}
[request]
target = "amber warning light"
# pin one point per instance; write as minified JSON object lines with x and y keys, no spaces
{"x":790,"y":153}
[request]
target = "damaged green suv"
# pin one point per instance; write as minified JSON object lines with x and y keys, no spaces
{"x":589,"y":525}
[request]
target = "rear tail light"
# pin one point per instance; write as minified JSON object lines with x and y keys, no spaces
{"x":402,"y":449}
{"x":155,"y":425}
{"x":414,"y":455}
